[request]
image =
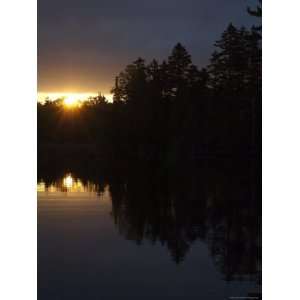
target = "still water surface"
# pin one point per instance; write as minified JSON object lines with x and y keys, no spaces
{"x":136,"y":240}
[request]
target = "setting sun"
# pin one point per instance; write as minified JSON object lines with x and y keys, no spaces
{"x":71,"y":100}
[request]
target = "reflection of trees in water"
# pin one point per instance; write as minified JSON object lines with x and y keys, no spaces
{"x":83,"y":178}
{"x":218,"y":205}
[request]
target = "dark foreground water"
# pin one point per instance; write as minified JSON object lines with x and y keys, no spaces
{"x":184,"y":234}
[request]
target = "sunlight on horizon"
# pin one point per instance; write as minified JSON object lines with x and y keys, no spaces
{"x":70,"y":98}
{"x":72,"y":101}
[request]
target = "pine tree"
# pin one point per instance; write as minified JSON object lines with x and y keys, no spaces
{"x":230,"y":63}
{"x":130,"y":85}
{"x":178,"y":67}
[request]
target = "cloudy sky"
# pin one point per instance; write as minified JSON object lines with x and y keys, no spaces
{"x":84,"y":44}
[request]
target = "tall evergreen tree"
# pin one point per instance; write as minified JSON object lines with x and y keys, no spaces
{"x":178,"y":68}
{"x":228,"y":68}
{"x":130,"y":85}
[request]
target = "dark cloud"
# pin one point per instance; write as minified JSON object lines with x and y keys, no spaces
{"x":83,"y":44}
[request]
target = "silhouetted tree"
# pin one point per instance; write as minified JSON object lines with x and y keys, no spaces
{"x":131,"y":84}
{"x":178,"y":70}
{"x":171,"y":111}
{"x":229,"y":64}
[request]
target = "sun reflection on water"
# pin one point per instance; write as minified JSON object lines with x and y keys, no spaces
{"x":68,"y":181}
{"x":67,"y":184}
{"x":70,"y":188}
{"x":41,"y":186}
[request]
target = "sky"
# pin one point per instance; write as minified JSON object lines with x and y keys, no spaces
{"x":84,"y":44}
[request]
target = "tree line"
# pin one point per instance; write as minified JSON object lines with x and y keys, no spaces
{"x":170,"y":110}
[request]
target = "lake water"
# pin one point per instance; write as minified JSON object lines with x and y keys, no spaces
{"x":133,"y":237}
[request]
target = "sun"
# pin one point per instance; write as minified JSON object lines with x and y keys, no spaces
{"x":71,"y":100}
